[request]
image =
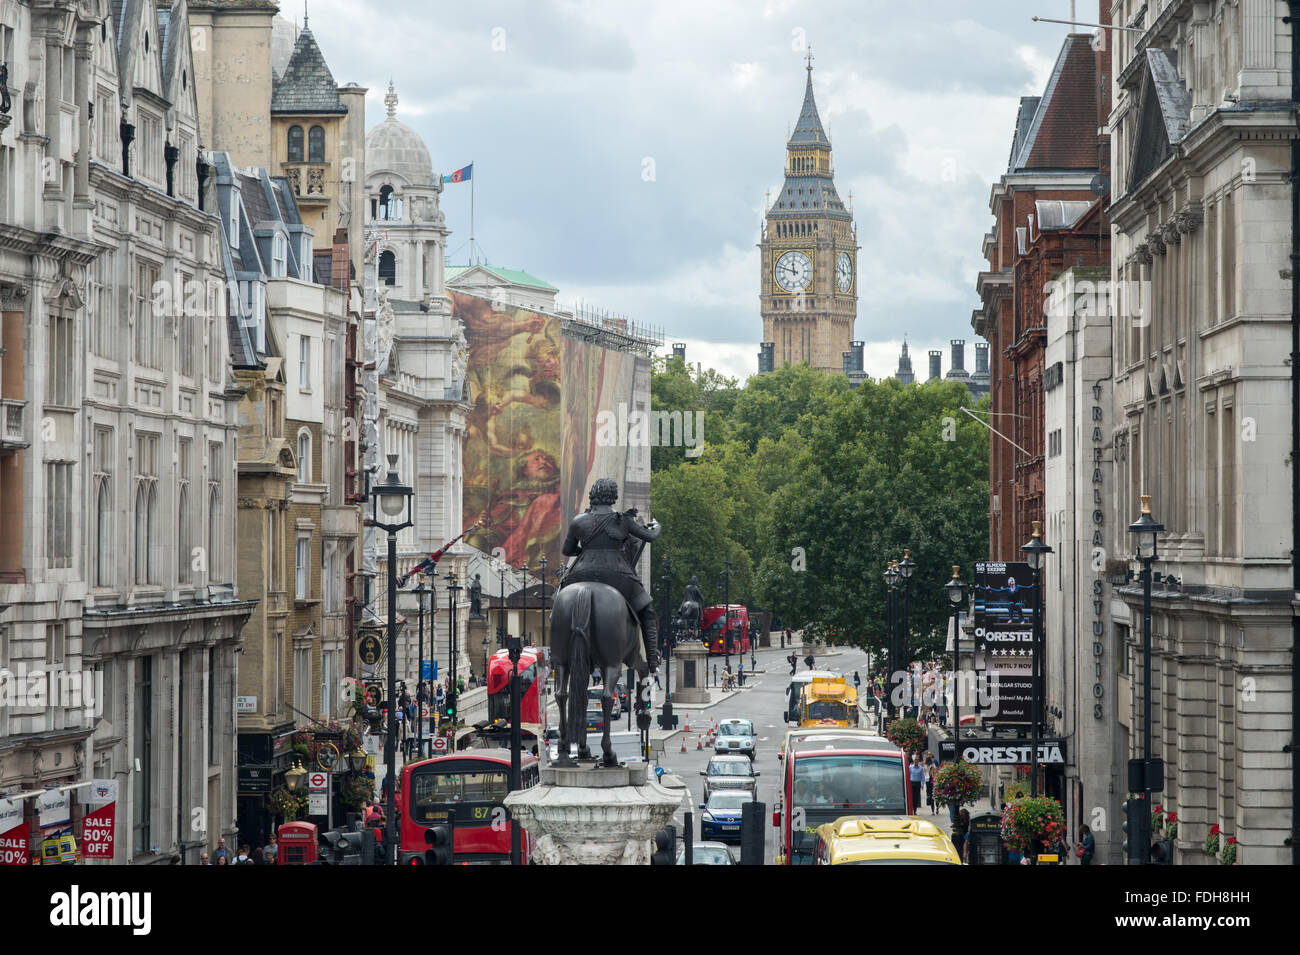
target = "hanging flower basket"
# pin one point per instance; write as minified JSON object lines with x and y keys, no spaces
{"x":1171,"y":826}
{"x":908,"y":735}
{"x":1212,"y":840}
{"x":1229,"y":856}
{"x":286,"y":803}
{"x":357,"y":790}
{"x":1031,"y":823}
{"x":958,"y":784}
{"x":1157,"y":819}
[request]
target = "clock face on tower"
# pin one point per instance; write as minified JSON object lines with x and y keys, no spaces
{"x":844,"y":272}
{"x":793,"y":271}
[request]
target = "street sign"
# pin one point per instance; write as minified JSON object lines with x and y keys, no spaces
{"x":318,"y":782}
{"x":370,"y":649}
{"x":318,"y":804}
{"x":428,"y":669}
{"x":374,"y":693}
{"x":440,"y":744}
{"x":245,"y":704}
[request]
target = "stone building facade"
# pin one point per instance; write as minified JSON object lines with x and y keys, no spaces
{"x":1201,"y":131}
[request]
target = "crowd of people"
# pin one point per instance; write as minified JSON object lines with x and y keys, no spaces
{"x":258,"y":855}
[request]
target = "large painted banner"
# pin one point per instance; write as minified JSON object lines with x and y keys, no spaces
{"x":533,"y":447}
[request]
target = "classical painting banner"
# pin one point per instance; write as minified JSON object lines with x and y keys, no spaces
{"x":532,"y":447}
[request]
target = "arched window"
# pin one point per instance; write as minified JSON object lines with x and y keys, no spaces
{"x":295,"y":144}
{"x":214,"y":531}
{"x":183,"y":544}
{"x":387,"y":268}
{"x":104,"y":535}
{"x":386,"y":202}
{"x":316,"y":144}
{"x":146,"y":502}
{"x":304,"y":456}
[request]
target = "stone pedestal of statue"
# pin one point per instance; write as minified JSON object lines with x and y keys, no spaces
{"x":591,"y":816}
{"x":690,"y":670}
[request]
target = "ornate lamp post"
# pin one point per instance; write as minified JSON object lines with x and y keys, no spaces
{"x":906,"y":568}
{"x":1146,"y":528}
{"x":891,"y":655}
{"x":543,"y":563}
{"x":420,"y":594}
{"x":667,"y":637}
{"x":1036,"y":556}
{"x":391,"y":500}
{"x":501,"y":609}
{"x":956,"y":591}
{"x":453,"y":595}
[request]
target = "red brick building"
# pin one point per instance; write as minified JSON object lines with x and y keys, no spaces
{"x":1047,"y":217}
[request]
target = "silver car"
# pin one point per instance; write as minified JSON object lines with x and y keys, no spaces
{"x":730,"y":773}
{"x":735,"y":736}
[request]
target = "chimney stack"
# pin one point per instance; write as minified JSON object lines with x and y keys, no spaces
{"x":766,"y":357}
{"x":679,"y":351}
{"x":981,"y":358}
{"x":855,"y":348}
{"x":958,"y":355}
{"x":936,"y":365}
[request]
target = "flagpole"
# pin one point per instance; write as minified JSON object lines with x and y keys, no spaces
{"x":471,"y":214}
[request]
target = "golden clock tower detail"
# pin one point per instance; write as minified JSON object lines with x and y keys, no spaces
{"x":809,"y":292}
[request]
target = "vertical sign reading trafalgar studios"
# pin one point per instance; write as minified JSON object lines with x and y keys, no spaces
{"x":13,"y":833}
{"x":1004,"y":635}
{"x":99,"y":822}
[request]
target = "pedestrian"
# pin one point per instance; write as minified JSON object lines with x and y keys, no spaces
{"x":809,"y":660}
{"x":960,"y":830}
{"x":460,"y":685}
{"x":916,"y":776}
{"x":928,"y":763}
{"x":857,"y":681}
{"x":222,"y":851}
{"x":203,"y":859}
{"x":256,"y":857}
{"x":243,"y":856}
{"x":657,"y":683}
{"x":272,"y":851}
{"x":794,"y":663}
{"x":222,"y":860}
{"x":1087,"y":847}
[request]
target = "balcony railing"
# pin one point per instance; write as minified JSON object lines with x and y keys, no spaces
{"x":306,"y":179}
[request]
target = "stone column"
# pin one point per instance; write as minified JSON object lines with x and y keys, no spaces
{"x":595,"y":816}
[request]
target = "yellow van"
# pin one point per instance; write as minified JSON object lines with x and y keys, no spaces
{"x":828,"y":701}
{"x":898,"y":840}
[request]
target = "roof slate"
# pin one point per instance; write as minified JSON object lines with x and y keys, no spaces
{"x":307,"y":85}
{"x":808,"y":130}
{"x":1063,"y":134}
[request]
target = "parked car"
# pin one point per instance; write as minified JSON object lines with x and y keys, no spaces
{"x":595,"y":717}
{"x":720,"y":815}
{"x":707,"y":853}
{"x":732,"y":773}
{"x":620,"y":694}
{"x":593,"y":697}
{"x":735,"y":736}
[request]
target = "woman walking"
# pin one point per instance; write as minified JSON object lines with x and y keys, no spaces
{"x":930,"y":768}
{"x":915,"y":776}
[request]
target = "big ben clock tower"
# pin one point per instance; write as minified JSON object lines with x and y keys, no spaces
{"x":809,"y":291}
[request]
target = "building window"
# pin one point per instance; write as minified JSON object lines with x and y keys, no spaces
{"x":274,"y":426}
{"x":184,"y":542}
{"x":216,"y":340}
{"x":58,"y":514}
{"x":302,"y":681}
{"x":304,"y":363}
{"x":102,"y":315}
{"x":61,"y":364}
{"x":304,"y":456}
{"x":326,"y":680}
{"x":295,"y":144}
{"x":184,"y":331}
{"x":387,"y":268}
{"x":55,"y":643}
{"x":103,"y":490}
{"x":214,"y":756}
{"x":232,"y":229}
{"x":326,"y":578}
{"x":279,"y":254}
{"x":316,"y":144}
{"x":214,"y":510}
{"x":146,"y":329}
{"x":146,"y":506}
{"x":302,"y":569}
{"x":388,"y":203}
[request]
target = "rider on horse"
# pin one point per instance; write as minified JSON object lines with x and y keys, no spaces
{"x":600,"y":539}
{"x":692,"y":595}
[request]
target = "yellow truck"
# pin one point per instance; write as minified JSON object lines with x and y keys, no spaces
{"x":828,"y":701}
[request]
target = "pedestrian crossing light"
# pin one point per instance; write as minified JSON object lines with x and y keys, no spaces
{"x":1137,"y":831}
{"x":441,"y":839}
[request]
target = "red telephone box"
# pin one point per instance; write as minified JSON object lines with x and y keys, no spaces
{"x":298,"y":843}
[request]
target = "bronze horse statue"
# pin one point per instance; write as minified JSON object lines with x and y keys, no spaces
{"x":592,"y":626}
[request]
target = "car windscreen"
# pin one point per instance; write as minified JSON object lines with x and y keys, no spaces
{"x":728,"y":801}
{"x":856,"y":782}
{"x":728,"y":768}
{"x":734,"y":729}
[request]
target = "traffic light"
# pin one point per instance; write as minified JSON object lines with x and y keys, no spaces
{"x":1137,"y":831}
{"x":442,"y":844}
{"x":345,"y":848}
{"x":450,"y":706}
{"x":665,"y":847}
{"x":372,"y":850}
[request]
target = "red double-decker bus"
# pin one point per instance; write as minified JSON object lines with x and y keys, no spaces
{"x":472,"y":786}
{"x":711,"y":621}
{"x":531,"y":679}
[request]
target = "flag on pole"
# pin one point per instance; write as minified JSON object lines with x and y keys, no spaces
{"x":460,"y":175}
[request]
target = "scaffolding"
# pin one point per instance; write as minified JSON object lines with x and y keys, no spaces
{"x":608,"y":330}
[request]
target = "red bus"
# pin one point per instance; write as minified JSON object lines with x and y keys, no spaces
{"x":711,"y":620}
{"x":530,"y":681}
{"x":472,"y":785}
{"x":827,"y":773}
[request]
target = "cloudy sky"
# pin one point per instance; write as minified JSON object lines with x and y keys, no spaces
{"x":622,"y":150}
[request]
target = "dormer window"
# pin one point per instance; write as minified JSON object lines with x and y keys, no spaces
{"x":295,"y":144}
{"x":233,"y":229}
{"x":305,"y":270}
{"x":279,"y":253}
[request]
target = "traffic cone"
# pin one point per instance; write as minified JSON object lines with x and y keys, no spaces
{"x":683,"y":742}
{"x":686,"y":722}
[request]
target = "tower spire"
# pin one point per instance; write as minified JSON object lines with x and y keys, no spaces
{"x":390,"y":100}
{"x":809,"y":67}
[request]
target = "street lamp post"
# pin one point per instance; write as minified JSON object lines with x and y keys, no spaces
{"x":453,"y":594}
{"x":726,"y":625}
{"x":891,"y":652}
{"x":1036,"y":555}
{"x":543,"y":563}
{"x":956,"y":590}
{"x":392,"y":499}
{"x":906,"y":568}
{"x":420,"y":593}
{"x":501,"y":610}
{"x":667,"y":638}
{"x":515,"y":648}
{"x":1146,"y":528}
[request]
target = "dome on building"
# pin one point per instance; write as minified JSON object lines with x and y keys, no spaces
{"x":393,"y":147}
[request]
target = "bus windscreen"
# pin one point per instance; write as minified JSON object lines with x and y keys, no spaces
{"x":434,"y":791}
{"x":867,"y":784}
